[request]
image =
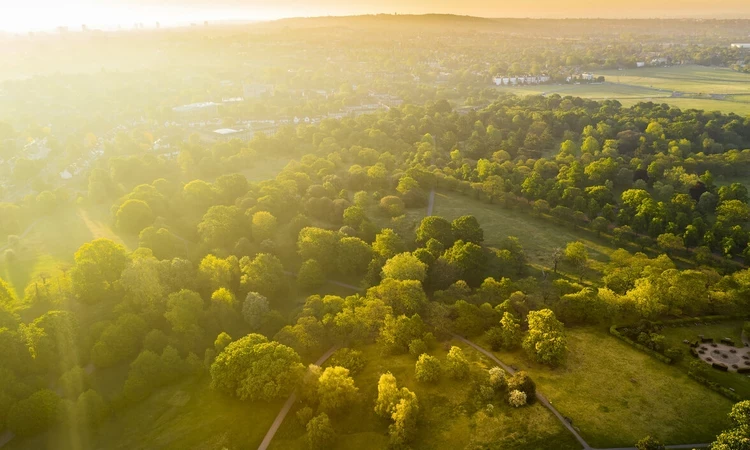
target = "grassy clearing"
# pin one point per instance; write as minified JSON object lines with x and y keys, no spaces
{"x":50,"y":245}
{"x":444,"y":419}
{"x":656,"y":84}
{"x":617,"y":395}
{"x":207,"y":420}
{"x":265,"y":169}
{"x":539,"y":236}
{"x":731,"y":329}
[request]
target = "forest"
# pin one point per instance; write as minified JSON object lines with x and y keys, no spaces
{"x":438,"y":271}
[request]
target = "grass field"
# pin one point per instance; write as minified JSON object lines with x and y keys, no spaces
{"x":616,"y":395}
{"x":731,"y":329}
{"x":444,"y":420}
{"x":51,"y":243}
{"x":694,"y":84}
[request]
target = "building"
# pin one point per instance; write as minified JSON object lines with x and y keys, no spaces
{"x":225,"y":134}
{"x":640,"y":64}
{"x":738,"y":45}
{"x":587,"y":76}
{"x":256,"y":90}
{"x":528,"y":79}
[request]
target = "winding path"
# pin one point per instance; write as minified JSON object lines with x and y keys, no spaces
{"x":543,"y":400}
{"x":288,"y":405}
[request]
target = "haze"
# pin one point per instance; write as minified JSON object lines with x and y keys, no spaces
{"x":25,"y":16}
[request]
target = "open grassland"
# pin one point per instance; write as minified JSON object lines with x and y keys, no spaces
{"x":446,"y":419}
{"x":732,"y":329}
{"x":694,"y":87}
{"x":616,"y":395}
{"x":539,"y":236}
{"x":265,"y":169}
{"x":51,"y":242}
{"x":189,"y":415}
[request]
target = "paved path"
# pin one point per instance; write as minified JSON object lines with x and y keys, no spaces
{"x":431,"y":202}
{"x":543,"y":400}
{"x":22,"y":235}
{"x":6,"y":437}
{"x":288,"y":405}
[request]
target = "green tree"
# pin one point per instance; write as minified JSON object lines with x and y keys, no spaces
{"x":336,"y":389}
{"x":404,"y":426}
{"x":545,"y":341}
{"x":354,"y":255}
{"x":320,"y":433}
{"x":577,"y":256}
{"x":320,"y":245}
{"x":427,"y":369}
{"x":252,"y":368}
{"x":264,"y":225}
{"x":434,"y":227}
{"x":649,"y":443}
{"x":264,"y":274}
{"x":133,"y":216}
{"x":456,"y":364}
{"x":388,"y":244}
{"x":98,"y":265}
{"x":405,"y":266}
{"x":310,"y":275}
{"x":404,"y":297}
{"x":510,"y":331}
{"x":467,"y":229}
{"x":34,"y":414}
{"x":255,"y":310}
{"x":221,"y":226}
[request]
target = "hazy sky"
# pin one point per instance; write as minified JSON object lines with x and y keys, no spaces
{"x":23,"y":15}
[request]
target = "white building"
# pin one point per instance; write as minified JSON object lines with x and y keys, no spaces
{"x":513,"y":81}
{"x":738,"y":45}
{"x":640,"y":64}
{"x":587,"y":76}
{"x":257,"y":90}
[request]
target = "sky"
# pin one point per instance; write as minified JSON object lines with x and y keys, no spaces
{"x":32,"y":15}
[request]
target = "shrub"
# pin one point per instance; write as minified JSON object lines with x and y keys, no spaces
{"x":522,"y":382}
{"x":427,"y":369}
{"x":320,"y":433}
{"x":417,"y":347}
{"x":349,"y":359}
{"x":494,"y":337}
{"x":457,"y":364}
{"x":616,"y":333}
{"x":304,"y":415}
{"x":498,"y":379}
{"x":517,"y":398}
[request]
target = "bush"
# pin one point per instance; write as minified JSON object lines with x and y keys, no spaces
{"x":674,"y":353}
{"x":320,"y":433}
{"x":517,"y":398}
{"x":715,"y":387}
{"x":494,"y":337}
{"x":522,"y":382}
{"x":614,"y":332}
{"x":427,"y":369}
{"x":349,"y":359}
{"x":498,"y":379}
{"x":457,"y":364}
{"x":417,"y":347}
{"x":304,"y":415}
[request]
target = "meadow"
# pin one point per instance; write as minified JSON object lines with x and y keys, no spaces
{"x":446,"y":418}
{"x":694,"y":87}
{"x":616,"y":395}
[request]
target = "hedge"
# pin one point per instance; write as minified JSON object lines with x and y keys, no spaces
{"x":716,"y":387}
{"x":700,"y":319}
{"x":613,"y":331}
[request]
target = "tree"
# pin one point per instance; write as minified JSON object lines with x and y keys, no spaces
{"x":404,"y":417}
{"x":427,"y":369}
{"x":469,"y":259}
{"x":545,"y":341}
{"x":222,"y":226}
{"x":320,"y":433}
{"x":510,"y":331}
{"x":388,"y":395}
{"x":133,"y":216}
{"x":520,"y":381}
{"x":217,"y":272}
{"x":320,"y":245}
{"x":577,"y":256}
{"x":388,"y":243}
{"x":264,"y":274}
{"x":600,"y":225}
{"x":252,"y":368}
{"x":434,"y":227}
{"x":670,"y":243}
{"x":34,"y":414}
{"x":457,"y":366}
{"x":398,"y":332}
{"x":405,"y":297}
{"x":649,"y":443}
{"x":498,"y":379}
{"x":467,"y":229}
{"x":405,"y":266}
{"x":98,"y":265}
{"x":392,"y":206}
{"x":310,"y":275}
{"x":255,"y":310}
{"x":264,"y":225}
{"x":354,"y":255}
{"x":517,"y":398}
{"x":336,"y":389}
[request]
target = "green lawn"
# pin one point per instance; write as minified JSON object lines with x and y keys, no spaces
{"x":539,"y":236}
{"x":657,"y":84}
{"x":444,"y":420}
{"x":616,"y":395}
{"x":731,"y":329}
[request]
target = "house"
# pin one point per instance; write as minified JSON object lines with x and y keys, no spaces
{"x":528,"y":79}
{"x":640,"y":64}
{"x":738,"y":45}
{"x":659,"y":61}
{"x":587,"y":76}
{"x":195,"y":110}
{"x":256,"y":90}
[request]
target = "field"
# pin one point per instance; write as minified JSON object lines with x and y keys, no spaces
{"x":686,"y":87}
{"x":52,"y":241}
{"x":444,"y":421}
{"x":617,"y":395}
{"x":731,"y":329}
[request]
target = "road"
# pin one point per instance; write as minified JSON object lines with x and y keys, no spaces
{"x":543,"y":400}
{"x":431,"y":202}
{"x":288,"y":405}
